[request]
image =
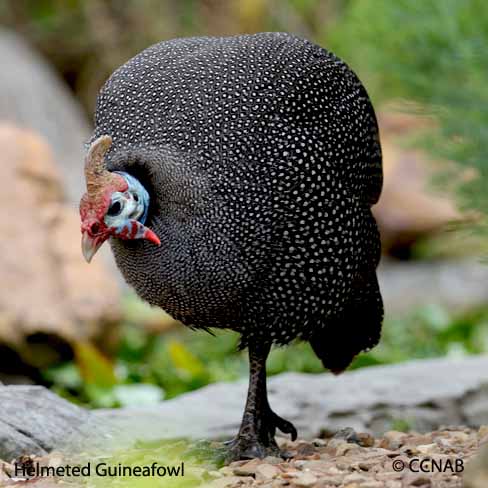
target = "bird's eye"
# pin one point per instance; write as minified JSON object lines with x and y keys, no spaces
{"x":136,"y":198}
{"x":114,"y":209}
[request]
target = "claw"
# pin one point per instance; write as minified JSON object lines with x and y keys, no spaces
{"x":284,"y":425}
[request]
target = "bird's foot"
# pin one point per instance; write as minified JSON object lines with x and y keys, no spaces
{"x":244,"y":447}
{"x":252,"y":442}
{"x":276,"y":422}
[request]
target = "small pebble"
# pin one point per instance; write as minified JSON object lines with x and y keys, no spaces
{"x":305,"y":480}
{"x":272,"y":460}
{"x":266,"y":472}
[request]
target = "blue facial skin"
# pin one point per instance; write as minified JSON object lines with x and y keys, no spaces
{"x":127,"y":207}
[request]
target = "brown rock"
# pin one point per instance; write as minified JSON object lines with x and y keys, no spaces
{"x":367,"y":465}
{"x":266,"y":472}
{"x":306,"y":449}
{"x":247,"y":468}
{"x":408,"y":208}
{"x":388,"y":476}
{"x":50,"y":287}
{"x":365,"y":439}
{"x":331,"y":480}
{"x":355,"y":478}
{"x":417,"y":479}
{"x":305,"y":480}
{"x":372,"y":484}
{"x":230,"y":481}
{"x":459,"y":437}
{"x":427,"y":448}
{"x":393,"y":439}
{"x":4,"y":469}
{"x":483,"y":431}
{"x":410,"y":450}
{"x":272,"y":460}
{"x":317,"y":467}
{"x":476,"y":473}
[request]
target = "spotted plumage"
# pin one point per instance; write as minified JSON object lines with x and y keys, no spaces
{"x":261,"y":157}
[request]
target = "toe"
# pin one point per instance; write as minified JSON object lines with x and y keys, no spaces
{"x":285,"y":426}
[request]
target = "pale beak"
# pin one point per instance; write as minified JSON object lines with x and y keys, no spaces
{"x":90,"y":245}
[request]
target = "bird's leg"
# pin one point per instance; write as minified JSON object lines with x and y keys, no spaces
{"x":259,"y":422}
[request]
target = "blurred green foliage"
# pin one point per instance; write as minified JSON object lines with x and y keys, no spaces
{"x":432,"y":54}
{"x":148,"y":367}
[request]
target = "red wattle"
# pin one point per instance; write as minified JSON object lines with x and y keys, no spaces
{"x":152,"y":237}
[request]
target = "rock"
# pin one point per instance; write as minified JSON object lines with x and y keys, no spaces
{"x":372,"y":484}
{"x":331,"y":480}
{"x":266,"y":472}
{"x":34,"y":421}
{"x":414,"y":479}
{"x":313,"y":402}
{"x":51,"y":289}
{"x":305,"y":480}
{"x":476,"y":472}
{"x":365,"y":439}
{"x":483,"y":435}
{"x":33,"y":96}
{"x":272,"y":460}
{"x":408,"y":208}
{"x":229,"y":481}
{"x":476,"y":408}
{"x":215,"y":474}
{"x":354,"y":478}
{"x":306,"y":450}
{"x":456,"y":285}
{"x":426,"y":448}
{"x":4,"y":469}
{"x":394,"y":439}
{"x":348,"y":434}
{"x":321,"y":402}
{"x":247,"y":469}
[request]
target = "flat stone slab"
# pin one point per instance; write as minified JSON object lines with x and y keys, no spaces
{"x":33,"y":420}
{"x":455,"y":285}
{"x":424,"y":394}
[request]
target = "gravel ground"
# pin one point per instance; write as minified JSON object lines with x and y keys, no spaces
{"x":346,"y":460}
{"x":350,"y":460}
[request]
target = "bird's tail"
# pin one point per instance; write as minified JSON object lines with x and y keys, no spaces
{"x":356,"y":330}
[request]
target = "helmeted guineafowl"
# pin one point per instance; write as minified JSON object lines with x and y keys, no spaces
{"x":235,"y":178}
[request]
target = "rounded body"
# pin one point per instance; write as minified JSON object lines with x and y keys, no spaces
{"x":262,"y":159}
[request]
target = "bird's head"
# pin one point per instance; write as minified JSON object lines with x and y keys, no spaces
{"x":115,"y":204}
